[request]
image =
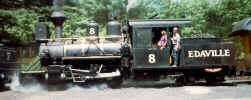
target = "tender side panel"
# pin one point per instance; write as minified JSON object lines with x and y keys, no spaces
{"x":210,"y":52}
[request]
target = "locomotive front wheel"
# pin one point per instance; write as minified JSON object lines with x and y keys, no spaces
{"x":115,"y":82}
{"x":181,"y":81}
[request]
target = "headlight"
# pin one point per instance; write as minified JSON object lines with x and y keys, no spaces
{"x":2,"y":76}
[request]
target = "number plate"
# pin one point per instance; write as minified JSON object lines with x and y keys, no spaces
{"x":152,"y":58}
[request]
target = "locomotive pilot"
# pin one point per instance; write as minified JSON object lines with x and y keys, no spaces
{"x":163,"y":40}
{"x":176,"y":46}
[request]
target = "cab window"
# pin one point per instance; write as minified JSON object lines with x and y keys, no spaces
{"x":156,"y":31}
{"x":149,"y":37}
{"x":143,"y":38}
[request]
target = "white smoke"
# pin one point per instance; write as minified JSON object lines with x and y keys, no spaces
{"x":15,"y":85}
{"x":34,"y":86}
{"x":72,"y":87}
{"x":131,"y":4}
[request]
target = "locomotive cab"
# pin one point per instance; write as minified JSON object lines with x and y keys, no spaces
{"x":145,"y":36}
{"x":200,"y":57}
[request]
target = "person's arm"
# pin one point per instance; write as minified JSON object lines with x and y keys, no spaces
{"x":165,"y":41}
{"x":178,"y":42}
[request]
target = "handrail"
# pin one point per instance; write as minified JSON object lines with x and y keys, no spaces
{"x":84,"y":38}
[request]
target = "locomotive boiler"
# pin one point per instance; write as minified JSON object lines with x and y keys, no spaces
{"x":82,"y":58}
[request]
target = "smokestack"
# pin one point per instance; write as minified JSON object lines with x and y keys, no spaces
{"x":58,"y":17}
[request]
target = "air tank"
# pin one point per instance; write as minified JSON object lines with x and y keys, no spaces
{"x":41,"y":30}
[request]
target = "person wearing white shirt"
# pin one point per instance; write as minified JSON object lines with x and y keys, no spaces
{"x":176,"y":46}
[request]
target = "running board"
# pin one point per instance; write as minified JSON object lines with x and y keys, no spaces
{"x":92,"y":57}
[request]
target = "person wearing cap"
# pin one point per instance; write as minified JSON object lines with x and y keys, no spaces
{"x":163,"y":40}
{"x":176,"y":46}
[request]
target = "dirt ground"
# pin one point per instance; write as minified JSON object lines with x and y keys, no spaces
{"x":134,"y":91}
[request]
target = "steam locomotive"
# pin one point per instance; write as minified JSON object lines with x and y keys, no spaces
{"x":81,"y":59}
{"x":131,"y":53}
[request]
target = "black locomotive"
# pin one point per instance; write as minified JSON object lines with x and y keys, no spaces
{"x":80,"y":59}
{"x":8,"y":56}
{"x":130,"y":53}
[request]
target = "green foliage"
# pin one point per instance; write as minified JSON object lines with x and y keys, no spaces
{"x":216,"y":17}
{"x":209,"y":16}
{"x":75,"y":22}
{"x":18,"y":21}
{"x":98,"y":10}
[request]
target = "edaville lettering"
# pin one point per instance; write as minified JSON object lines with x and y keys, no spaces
{"x":209,"y":53}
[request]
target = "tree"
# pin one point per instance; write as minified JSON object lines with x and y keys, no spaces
{"x":18,"y":17}
{"x":215,"y":17}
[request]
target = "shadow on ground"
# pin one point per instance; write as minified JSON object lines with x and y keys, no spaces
{"x":129,"y":84}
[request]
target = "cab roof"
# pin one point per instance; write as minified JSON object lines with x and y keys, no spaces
{"x":159,"y":22}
